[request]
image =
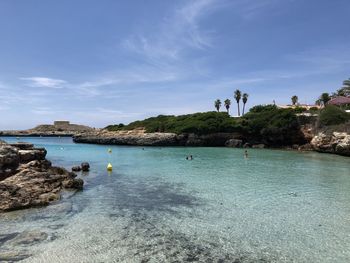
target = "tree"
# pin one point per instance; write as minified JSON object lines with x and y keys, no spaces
{"x":217,"y":104}
{"x":295,"y":100}
{"x":237,"y":96}
{"x":244,"y":99}
{"x":227,"y":103}
{"x":324,"y":98}
{"x":345,"y":90}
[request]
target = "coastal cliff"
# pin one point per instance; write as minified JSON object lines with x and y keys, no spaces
{"x":27,"y":179}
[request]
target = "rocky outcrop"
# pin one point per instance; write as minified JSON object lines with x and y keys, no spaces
{"x":334,"y":142}
{"x":141,"y":138}
{"x":235,"y":143}
{"x":47,"y":130}
{"x":27,"y":179}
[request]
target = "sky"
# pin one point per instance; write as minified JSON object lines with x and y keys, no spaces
{"x":100,"y":62}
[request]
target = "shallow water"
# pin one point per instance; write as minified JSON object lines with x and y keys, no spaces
{"x":276,"y":206}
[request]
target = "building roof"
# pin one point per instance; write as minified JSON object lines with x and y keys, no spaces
{"x":340,"y":100}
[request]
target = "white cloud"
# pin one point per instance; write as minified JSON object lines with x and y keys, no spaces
{"x":43,"y":82}
{"x":175,"y":34}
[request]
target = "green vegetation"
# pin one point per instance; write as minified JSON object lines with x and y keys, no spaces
{"x":332,"y":115}
{"x":262,"y":123}
{"x":271,"y":124}
{"x":199,"y":123}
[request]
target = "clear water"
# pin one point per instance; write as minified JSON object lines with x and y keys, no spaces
{"x":276,"y":206}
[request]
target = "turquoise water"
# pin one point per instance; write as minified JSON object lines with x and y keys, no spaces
{"x":276,"y":206}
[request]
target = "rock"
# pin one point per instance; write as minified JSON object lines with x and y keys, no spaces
{"x":22,"y":145}
{"x":28,"y":238}
{"x":32,"y":154}
{"x":49,"y":197}
{"x":27,"y":179}
{"x":13,"y":256}
{"x":235,"y":143}
{"x":305,"y":147}
{"x":335,"y":142}
{"x":73,"y":184}
{"x":9,"y":160}
{"x":258,"y":146}
{"x":141,"y":138}
{"x":76,"y":168}
{"x":85,"y":167}
{"x":247,"y":145}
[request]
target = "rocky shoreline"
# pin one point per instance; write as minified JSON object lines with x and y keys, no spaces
{"x":141,"y":138}
{"x":27,"y":179}
{"x":330,"y":142}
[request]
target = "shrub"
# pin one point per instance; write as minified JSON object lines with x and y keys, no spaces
{"x":199,"y":123}
{"x":333,"y":115}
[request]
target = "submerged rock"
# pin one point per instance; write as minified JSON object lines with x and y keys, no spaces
{"x":28,"y":238}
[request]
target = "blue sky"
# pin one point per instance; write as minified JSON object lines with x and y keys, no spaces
{"x":102,"y":62}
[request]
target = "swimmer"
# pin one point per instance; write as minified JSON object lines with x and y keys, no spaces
{"x":246,"y":154}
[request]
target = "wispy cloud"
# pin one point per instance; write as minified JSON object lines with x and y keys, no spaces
{"x":175,"y":34}
{"x":44,"y":82}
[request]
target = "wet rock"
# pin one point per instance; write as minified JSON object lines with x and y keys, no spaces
{"x":85,"y":167}
{"x":76,"y":168}
{"x":73,"y":184}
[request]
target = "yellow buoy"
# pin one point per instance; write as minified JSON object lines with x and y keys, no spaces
{"x":109,"y":167}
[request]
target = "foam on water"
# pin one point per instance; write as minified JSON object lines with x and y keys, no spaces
{"x":276,"y":206}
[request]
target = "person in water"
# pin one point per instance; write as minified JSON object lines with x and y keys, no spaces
{"x":189,"y":157}
{"x":246,"y":154}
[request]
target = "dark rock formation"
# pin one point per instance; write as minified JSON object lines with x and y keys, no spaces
{"x":27,"y":179}
{"x":76,"y":168}
{"x":85,"y":167}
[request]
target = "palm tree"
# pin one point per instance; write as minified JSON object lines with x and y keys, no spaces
{"x":324,"y":98}
{"x":295,"y":99}
{"x":237,"y":96}
{"x":227,"y":103}
{"x":217,"y":104}
{"x":244,"y":99}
